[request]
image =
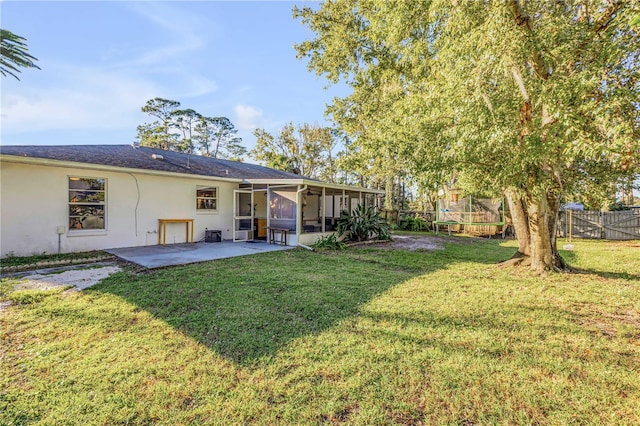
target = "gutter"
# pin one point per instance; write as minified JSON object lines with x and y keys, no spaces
{"x":315,"y":183}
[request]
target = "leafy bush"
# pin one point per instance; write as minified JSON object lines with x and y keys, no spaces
{"x":329,"y":242}
{"x":618,"y":206}
{"x":362,"y":224}
{"x":414,"y":223}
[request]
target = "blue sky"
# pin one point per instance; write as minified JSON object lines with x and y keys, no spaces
{"x":101,"y":61}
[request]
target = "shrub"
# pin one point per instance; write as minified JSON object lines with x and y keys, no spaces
{"x":414,"y":223}
{"x":618,"y":206}
{"x":362,"y":224}
{"x":329,"y":242}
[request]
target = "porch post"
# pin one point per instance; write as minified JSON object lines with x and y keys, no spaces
{"x":298,"y":212}
{"x":343,"y":204}
{"x":324,"y":209}
{"x":268,"y":209}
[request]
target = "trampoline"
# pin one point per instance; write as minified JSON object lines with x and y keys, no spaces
{"x":476,"y":216}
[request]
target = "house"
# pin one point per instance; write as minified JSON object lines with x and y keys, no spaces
{"x":572,"y":206}
{"x":92,"y":197}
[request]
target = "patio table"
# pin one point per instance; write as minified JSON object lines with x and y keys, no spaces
{"x":283,"y":235}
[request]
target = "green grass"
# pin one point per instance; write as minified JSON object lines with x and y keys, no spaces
{"x":360,"y":336}
{"x":15,"y":261}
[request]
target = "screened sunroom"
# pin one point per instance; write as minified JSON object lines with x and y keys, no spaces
{"x":292,"y":214}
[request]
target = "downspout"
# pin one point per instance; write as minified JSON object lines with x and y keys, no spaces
{"x":305,"y":247}
{"x":135,"y":210}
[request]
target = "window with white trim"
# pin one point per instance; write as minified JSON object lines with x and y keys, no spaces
{"x":206,"y":198}
{"x":87,"y":203}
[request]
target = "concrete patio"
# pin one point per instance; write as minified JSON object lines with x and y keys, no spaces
{"x":180,"y":254}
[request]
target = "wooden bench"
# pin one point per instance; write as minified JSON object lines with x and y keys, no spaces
{"x":283,"y":235}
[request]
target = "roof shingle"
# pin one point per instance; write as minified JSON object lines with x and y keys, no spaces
{"x":141,"y":157}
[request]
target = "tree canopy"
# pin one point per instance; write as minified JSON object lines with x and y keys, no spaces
{"x":216,"y":137}
{"x":14,"y":54}
{"x":305,"y":149}
{"x":186,"y":130}
{"x":532,"y":99}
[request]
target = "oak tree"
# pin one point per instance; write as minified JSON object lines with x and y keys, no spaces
{"x":533,"y":99}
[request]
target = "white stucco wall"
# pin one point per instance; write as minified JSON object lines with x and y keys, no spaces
{"x":34,"y":202}
{"x":310,"y":239}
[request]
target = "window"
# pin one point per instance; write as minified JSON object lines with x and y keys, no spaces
{"x":87,"y":202}
{"x":282,"y":206}
{"x":206,"y":198}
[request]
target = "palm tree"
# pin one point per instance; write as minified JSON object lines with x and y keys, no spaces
{"x":13,"y":54}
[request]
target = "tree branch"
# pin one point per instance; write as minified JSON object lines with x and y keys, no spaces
{"x":607,"y":16}
{"x":526,"y":22}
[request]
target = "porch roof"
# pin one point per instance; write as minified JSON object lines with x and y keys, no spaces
{"x":314,"y":183}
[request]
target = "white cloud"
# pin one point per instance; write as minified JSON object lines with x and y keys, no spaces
{"x":180,"y":27}
{"x":95,"y":99}
{"x":195,"y":85}
{"x":170,"y":59}
{"x":92,"y":98}
{"x":71,"y":96}
{"x":248,"y":117}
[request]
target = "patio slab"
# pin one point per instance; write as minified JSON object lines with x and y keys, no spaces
{"x":181,"y":254}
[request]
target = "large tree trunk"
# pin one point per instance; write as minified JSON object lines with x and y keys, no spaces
{"x":388,"y":193}
{"x":534,"y":221}
{"x":520,"y":223}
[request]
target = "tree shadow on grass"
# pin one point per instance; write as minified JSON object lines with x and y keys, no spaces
{"x":609,"y":275}
{"x":492,"y":335}
{"x":247,"y":308}
{"x":571,"y":258}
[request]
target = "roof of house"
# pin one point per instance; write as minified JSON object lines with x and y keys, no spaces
{"x":142,"y":157}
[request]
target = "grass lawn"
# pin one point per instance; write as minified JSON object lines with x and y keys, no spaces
{"x":16,"y":261}
{"x":360,"y":336}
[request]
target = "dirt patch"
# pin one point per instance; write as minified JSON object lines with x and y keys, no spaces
{"x":418,"y":242}
{"x":606,"y":323}
{"x":421,"y":242}
{"x":79,"y":278}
